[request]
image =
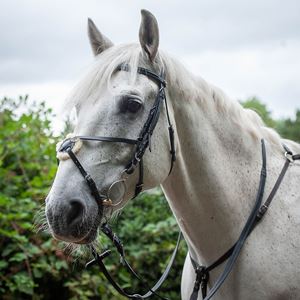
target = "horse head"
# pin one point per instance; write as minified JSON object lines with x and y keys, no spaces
{"x":121,"y":100}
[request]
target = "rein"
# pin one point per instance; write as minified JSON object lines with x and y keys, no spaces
{"x":256,"y":215}
{"x":98,"y":259}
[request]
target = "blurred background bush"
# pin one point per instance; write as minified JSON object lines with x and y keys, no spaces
{"x":34,"y":265}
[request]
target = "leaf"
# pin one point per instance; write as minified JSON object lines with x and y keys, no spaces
{"x":18,"y":257}
{"x":61,"y":264}
{"x":24,"y":283}
{"x":33,"y":250}
{"x":3,"y":264}
{"x":37,"y":273}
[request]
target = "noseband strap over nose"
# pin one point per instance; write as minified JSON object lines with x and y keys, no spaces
{"x":89,"y":180}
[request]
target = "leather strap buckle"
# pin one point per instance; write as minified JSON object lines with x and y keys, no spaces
{"x":289,"y":156}
{"x":202,"y":277}
{"x":263,"y":209}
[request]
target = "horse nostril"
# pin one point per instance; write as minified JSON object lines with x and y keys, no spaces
{"x":75,"y":212}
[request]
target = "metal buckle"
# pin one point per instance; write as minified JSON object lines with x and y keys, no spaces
{"x":136,"y":157}
{"x":107,"y":202}
{"x":289,"y":156}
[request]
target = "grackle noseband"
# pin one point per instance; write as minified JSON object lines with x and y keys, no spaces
{"x":141,"y":144}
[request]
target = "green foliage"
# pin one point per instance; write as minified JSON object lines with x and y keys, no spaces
{"x":287,"y":128}
{"x":27,"y":167}
{"x":32,"y":265}
{"x":290,"y":128}
{"x":151,"y":236}
{"x":260,"y":108}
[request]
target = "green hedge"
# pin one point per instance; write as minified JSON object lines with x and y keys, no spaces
{"x":35,"y":266}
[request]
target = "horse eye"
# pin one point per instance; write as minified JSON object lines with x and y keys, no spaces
{"x":132,"y":105}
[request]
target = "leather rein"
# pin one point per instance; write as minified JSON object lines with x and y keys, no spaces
{"x":256,"y":215}
{"x":142,"y":143}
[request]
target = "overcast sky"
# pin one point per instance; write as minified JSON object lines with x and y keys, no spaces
{"x":246,"y":48}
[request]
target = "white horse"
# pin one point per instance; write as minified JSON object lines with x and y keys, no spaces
{"x":213,"y":184}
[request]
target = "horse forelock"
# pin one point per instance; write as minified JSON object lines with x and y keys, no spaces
{"x":100,"y":71}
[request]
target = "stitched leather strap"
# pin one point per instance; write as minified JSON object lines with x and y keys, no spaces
{"x":259,"y":215}
{"x":140,"y":183}
{"x":245,"y":232}
{"x":202,"y":277}
{"x":144,"y":139}
{"x":140,"y":70}
{"x":89,"y":180}
{"x":107,"y":139}
{"x":267,"y":203}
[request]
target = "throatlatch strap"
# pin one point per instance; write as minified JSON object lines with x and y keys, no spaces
{"x":171,"y":135}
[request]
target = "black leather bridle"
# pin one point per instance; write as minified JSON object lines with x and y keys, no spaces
{"x":141,"y":144}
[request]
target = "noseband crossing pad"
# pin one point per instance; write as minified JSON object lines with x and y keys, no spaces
{"x":75,"y":144}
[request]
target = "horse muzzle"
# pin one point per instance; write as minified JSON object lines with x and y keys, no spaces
{"x":72,"y":220}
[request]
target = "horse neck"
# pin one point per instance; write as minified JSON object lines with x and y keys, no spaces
{"x":213,"y":185}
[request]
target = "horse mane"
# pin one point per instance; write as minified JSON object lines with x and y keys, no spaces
{"x":195,"y":87}
{"x":190,"y":86}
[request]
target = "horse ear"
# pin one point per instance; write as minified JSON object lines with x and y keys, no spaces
{"x":98,"y":41}
{"x":149,"y":34}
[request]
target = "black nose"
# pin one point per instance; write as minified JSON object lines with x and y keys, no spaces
{"x":74,"y":212}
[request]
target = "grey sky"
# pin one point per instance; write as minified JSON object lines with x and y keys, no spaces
{"x":246,"y":48}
